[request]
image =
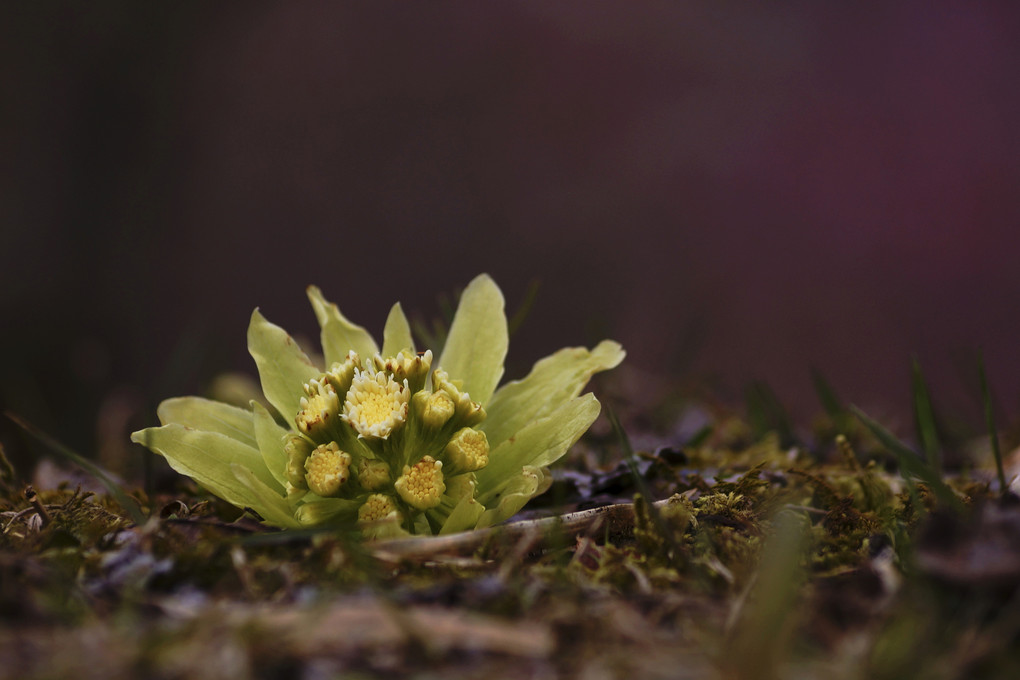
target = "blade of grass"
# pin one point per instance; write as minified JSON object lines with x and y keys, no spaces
{"x":826,"y":395}
{"x":767,"y":413}
{"x":699,"y":437}
{"x":757,"y":413}
{"x":432,"y":333}
{"x":114,"y":489}
{"x":631,"y":459}
{"x":525,"y":307}
{"x":924,"y":417}
{"x":628,"y":453}
{"x":761,"y":637}
{"x":6,"y":469}
{"x":993,"y":433}
{"x":910,"y":463}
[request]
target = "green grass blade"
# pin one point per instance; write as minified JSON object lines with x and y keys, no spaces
{"x":628,"y":451}
{"x":112,"y":487}
{"x":767,"y":414}
{"x":762,"y":636}
{"x":993,"y":434}
{"x":924,"y":416}
{"x":910,"y":463}
{"x":699,"y":437}
{"x":631,"y":459}
{"x":524,"y":308}
{"x":826,"y":395}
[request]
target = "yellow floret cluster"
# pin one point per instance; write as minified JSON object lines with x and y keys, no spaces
{"x":327,"y":468}
{"x":318,"y":408}
{"x":376,"y":508}
{"x":388,"y":436}
{"x":422,"y":486}
{"x":376,"y":403}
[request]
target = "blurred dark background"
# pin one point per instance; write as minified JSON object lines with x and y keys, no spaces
{"x":735,"y":191}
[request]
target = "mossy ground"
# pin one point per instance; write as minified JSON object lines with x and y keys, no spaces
{"x":764,"y":556}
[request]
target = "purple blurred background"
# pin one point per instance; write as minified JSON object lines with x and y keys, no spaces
{"x":735,"y":191}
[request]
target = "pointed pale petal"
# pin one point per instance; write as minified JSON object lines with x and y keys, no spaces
{"x":397,"y":334}
{"x":269,"y":440}
{"x":339,"y":336}
{"x":552,"y":382}
{"x":206,"y":457}
{"x":477,"y":343}
{"x":514,"y":494}
{"x":273,"y":507}
{"x":540,"y":443}
{"x":211,"y":416}
{"x":283,"y":367}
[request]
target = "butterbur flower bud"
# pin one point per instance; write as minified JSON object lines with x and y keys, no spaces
{"x":319,"y":409}
{"x":376,"y":404}
{"x":377,"y":507}
{"x":341,"y":375}
{"x":373,"y":474}
{"x":421,"y":486}
{"x":326,"y":469}
{"x":466,"y":412}
{"x":467,"y":451}
{"x":413,"y":368}
{"x":297,"y":449}
{"x":436,"y":410}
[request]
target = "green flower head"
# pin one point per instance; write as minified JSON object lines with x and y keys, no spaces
{"x":382,"y":439}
